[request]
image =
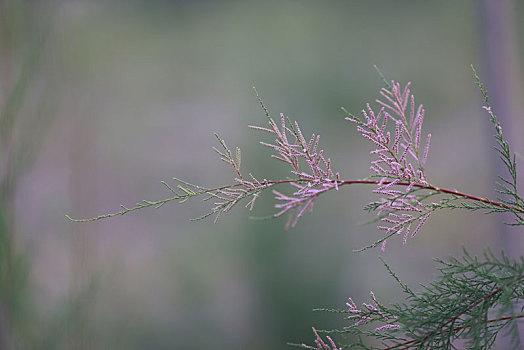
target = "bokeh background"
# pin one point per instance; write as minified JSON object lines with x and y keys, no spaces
{"x":101,"y":100}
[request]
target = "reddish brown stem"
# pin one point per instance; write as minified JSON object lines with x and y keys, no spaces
{"x":428,"y":187}
{"x":443,"y":190}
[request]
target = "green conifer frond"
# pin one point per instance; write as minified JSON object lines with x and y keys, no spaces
{"x":472,"y":300}
{"x":507,"y":188}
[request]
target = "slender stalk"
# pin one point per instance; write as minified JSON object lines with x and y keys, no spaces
{"x":439,"y":189}
{"x":269,"y":183}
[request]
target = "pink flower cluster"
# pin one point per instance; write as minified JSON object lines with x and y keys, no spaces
{"x":400,"y":159}
{"x":371,"y":313}
{"x":400,"y":210}
{"x":396,"y":154}
{"x":317,"y":178}
{"x":321,"y":344}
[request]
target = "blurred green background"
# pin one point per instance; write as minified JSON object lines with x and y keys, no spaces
{"x":101,"y":100}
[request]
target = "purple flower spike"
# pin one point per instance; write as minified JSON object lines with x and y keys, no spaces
{"x":309,"y":165}
{"x":399,"y":159}
{"x":371,"y":313}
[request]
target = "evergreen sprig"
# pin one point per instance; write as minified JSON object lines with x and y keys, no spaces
{"x":471,"y":301}
{"x":507,"y":188}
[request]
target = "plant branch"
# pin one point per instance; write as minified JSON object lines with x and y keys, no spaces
{"x":188,"y":193}
{"x":454,"y":318}
{"x":416,"y":341}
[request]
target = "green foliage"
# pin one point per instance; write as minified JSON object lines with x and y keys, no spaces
{"x":508,"y":188}
{"x":472,"y":299}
